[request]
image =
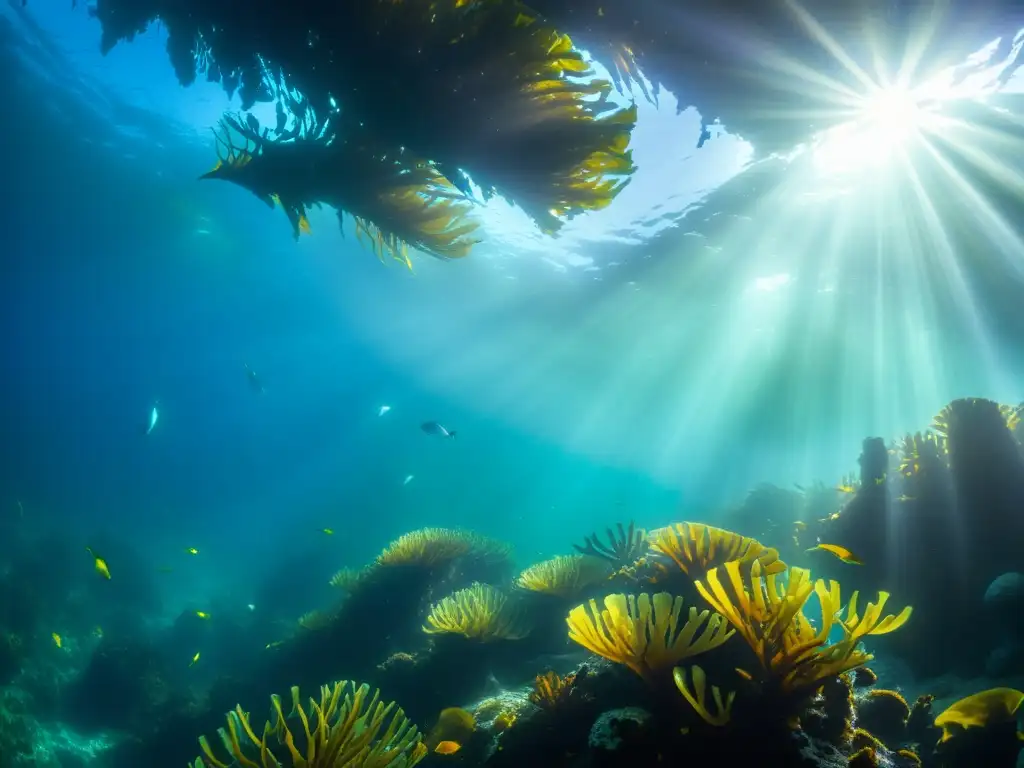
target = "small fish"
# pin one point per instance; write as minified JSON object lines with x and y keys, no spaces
{"x":904,"y":497}
{"x":447,"y":747}
{"x":383,"y":409}
{"x":191,"y":551}
{"x":433,"y":428}
{"x":99,"y":563}
{"x":841,"y":552}
{"x":202,"y":614}
{"x":194,"y":659}
{"x":328,"y":531}
{"x":251,"y":606}
{"x":98,"y":632}
{"x":846,"y":488}
{"x":254,"y":381}
{"x":800,"y":525}
{"x":154,"y":417}
{"x":57,"y":640}
{"x":408,"y":479}
{"x":275,"y":644}
{"x":834,"y":516}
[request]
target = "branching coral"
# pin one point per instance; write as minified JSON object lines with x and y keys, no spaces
{"x":696,"y":548}
{"x":645,"y":633}
{"x":769,"y":616}
{"x":624,"y":547}
{"x":479,"y":612}
{"x":563,"y":576}
{"x":348,"y":726}
{"x":430,"y":547}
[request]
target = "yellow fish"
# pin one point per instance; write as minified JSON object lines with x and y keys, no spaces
{"x":99,"y":563}
{"x":57,"y":641}
{"x":447,"y":747}
{"x":841,"y":552}
{"x":194,"y":659}
{"x":192,"y":551}
{"x":830,"y":518}
{"x":328,"y":531}
{"x":846,"y":488}
{"x":202,"y":614}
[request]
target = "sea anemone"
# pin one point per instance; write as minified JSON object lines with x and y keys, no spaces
{"x":479,"y":612}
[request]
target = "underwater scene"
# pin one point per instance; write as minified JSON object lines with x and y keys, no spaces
{"x":576,"y":383}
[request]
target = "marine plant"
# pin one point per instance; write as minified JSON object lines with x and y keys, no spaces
{"x":397,"y":203}
{"x":348,"y":726}
{"x":645,"y":632}
{"x":623,"y":548}
{"x":793,"y":657}
{"x":916,"y":452}
{"x":479,"y":612}
{"x":697,"y":548}
{"x":432,"y":547}
{"x":550,"y":689}
{"x":695,"y":692}
{"x":563,"y":576}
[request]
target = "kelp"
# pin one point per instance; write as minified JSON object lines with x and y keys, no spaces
{"x":397,"y":203}
{"x":477,"y":87}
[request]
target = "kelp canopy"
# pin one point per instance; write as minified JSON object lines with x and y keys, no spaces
{"x":478,"y":87}
{"x":726,"y":57}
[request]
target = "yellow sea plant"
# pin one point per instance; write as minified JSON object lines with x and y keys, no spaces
{"x":479,"y":612}
{"x":564,"y":576}
{"x":697,"y":548}
{"x":348,"y":726}
{"x":991,"y":707}
{"x":696,"y":695}
{"x":430,"y":547}
{"x":767,"y":611}
{"x":644,"y":632}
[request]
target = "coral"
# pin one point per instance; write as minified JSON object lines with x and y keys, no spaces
{"x":625,"y":545}
{"x":479,"y":612}
{"x":644,"y":633}
{"x":348,"y":726}
{"x":433,"y":547}
{"x":614,"y":728}
{"x":793,"y":655}
{"x":696,"y":548}
{"x":884,"y":713}
{"x":563,"y":576}
{"x":863,"y":677}
{"x":920,"y":722}
{"x":697,"y":698}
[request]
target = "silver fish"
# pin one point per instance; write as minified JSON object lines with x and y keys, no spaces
{"x":433,"y":428}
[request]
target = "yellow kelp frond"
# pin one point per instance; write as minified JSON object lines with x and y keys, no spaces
{"x":915,"y":451}
{"x":564,"y":576}
{"x":348,"y":726}
{"x":398,"y":202}
{"x":768,"y":614}
{"x":426,"y":213}
{"x":479,"y":612}
{"x":991,"y":707}
{"x":550,"y":690}
{"x":645,"y":633}
{"x":697,"y":548}
{"x":624,"y":547}
{"x":431,"y":547}
{"x":698,"y":699}
{"x":944,"y":419}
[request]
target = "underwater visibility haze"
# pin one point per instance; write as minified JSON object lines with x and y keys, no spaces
{"x":606,"y":384}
